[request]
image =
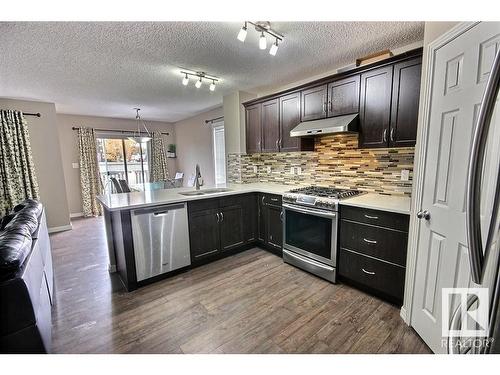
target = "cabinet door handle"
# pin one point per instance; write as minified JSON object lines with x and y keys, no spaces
{"x":221,"y":216}
{"x":281,"y":216}
{"x":369,"y":241}
{"x":324,"y":104}
{"x":263,"y":203}
{"x":371,"y":217}
{"x":367,"y":272}
{"x":385,"y":135}
{"x":274,"y":199}
{"x":392,"y":135}
{"x":330,"y":106}
{"x":218,"y":217}
{"x":277,"y":143}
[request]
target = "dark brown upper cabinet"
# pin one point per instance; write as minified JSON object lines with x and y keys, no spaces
{"x":314,"y":103}
{"x":343,"y":96}
{"x":270,"y":126}
{"x":289,"y":118}
{"x":405,"y":99}
{"x":385,"y":94}
{"x":375,"y":107}
{"x":254,"y":128}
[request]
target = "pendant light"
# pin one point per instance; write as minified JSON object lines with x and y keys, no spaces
{"x":138,"y":136}
{"x":185,"y":80}
{"x":264,"y":28}
{"x":212,"y":86}
{"x":198,"y":83}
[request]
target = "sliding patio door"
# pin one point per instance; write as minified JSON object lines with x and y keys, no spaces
{"x":123,"y":159}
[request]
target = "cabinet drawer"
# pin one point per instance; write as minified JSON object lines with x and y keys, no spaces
{"x":385,"y":244}
{"x":375,"y":217}
{"x":375,"y":274}
{"x":271,"y":199}
{"x":203,"y":204}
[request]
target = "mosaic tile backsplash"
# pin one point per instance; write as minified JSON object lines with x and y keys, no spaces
{"x":335,"y":162}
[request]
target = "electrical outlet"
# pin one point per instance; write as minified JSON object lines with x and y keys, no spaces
{"x":298,"y":170}
{"x":268,"y":169}
{"x":255,"y":169}
{"x":75,"y":165}
{"x":405,"y":175}
{"x":292,"y":170}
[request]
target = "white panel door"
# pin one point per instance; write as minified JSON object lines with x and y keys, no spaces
{"x":460,"y":72}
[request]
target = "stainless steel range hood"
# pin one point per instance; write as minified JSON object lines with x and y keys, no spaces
{"x":340,"y":124}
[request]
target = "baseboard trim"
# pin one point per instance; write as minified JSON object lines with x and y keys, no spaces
{"x":76,"y":214}
{"x":60,"y":229}
{"x":402,"y":314}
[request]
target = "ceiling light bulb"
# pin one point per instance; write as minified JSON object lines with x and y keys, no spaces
{"x":274,"y":48}
{"x":185,"y":80}
{"x":243,"y":33}
{"x":262,"y":41}
{"x":212,"y":86}
{"x":198,"y":83}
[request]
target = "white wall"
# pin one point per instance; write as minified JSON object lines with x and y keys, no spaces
{"x":69,"y":147}
{"x":46,"y":148}
{"x":195,"y":146}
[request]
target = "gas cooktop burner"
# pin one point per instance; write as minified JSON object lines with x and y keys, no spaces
{"x":320,"y":197}
{"x":326,"y":192}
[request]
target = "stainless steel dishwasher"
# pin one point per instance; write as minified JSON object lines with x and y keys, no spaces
{"x":161,"y":239}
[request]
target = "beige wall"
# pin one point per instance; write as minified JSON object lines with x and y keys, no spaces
{"x":69,"y":147}
{"x":234,"y":121}
{"x":46,"y":148}
{"x":195,"y":146}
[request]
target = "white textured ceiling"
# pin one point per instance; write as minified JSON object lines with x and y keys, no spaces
{"x":105,"y":69}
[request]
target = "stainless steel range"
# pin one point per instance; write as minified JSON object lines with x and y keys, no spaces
{"x":310,"y":224}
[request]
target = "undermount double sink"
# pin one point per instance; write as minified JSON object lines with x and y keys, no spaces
{"x":205,"y":192}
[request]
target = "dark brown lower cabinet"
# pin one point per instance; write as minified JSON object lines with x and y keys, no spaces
{"x":204,"y":235}
{"x":231,"y":227}
{"x":221,"y":224}
{"x":373,"y":246}
{"x":270,"y":222}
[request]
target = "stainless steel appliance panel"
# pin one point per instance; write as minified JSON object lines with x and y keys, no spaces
{"x":161,"y":240}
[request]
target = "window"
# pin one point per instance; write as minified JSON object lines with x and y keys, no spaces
{"x":219,"y":153}
{"x":124,"y":159}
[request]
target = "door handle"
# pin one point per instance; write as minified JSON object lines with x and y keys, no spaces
{"x":222,"y":216}
{"x":392,"y":135}
{"x":424,"y":214}
{"x":162,"y":213}
{"x":368,"y":272}
{"x":277,"y":143}
{"x":369,"y":241}
{"x":324,"y":104}
{"x":218,"y":217}
{"x":330,"y":106}
{"x":385,"y":135}
{"x":281,"y":216}
{"x":475,"y":171}
{"x":371,"y":217}
{"x":263,"y":203}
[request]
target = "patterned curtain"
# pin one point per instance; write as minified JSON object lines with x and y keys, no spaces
{"x":89,"y":172}
{"x":159,"y":168}
{"x":17,"y":171}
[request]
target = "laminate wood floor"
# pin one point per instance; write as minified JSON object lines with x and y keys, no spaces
{"x":251,"y":302}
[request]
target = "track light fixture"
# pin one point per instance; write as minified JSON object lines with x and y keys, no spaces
{"x":263,"y":27}
{"x":243,"y":33}
{"x":200,"y":76}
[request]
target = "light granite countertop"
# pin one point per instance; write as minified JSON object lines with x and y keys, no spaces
{"x":126,"y":201}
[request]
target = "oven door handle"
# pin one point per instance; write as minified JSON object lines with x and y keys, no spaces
{"x":310,"y":211}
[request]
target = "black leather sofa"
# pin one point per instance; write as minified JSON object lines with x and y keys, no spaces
{"x":26,"y":281}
